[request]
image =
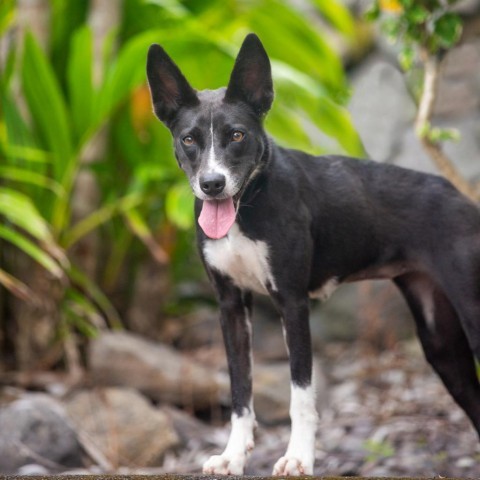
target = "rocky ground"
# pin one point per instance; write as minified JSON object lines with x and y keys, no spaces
{"x":382,"y":414}
{"x":386,"y":415}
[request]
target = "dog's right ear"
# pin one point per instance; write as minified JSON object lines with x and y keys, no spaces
{"x":168,"y":87}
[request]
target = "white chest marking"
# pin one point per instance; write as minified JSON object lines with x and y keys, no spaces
{"x":244,"y":260}
{"x":324,"y":292}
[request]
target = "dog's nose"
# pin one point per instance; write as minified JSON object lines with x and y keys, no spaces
{"x":212,"y":183}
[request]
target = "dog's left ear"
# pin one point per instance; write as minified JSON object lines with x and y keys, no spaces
{"x":251,"y":78}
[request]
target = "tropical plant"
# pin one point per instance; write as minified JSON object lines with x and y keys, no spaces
{"x":143,"y":197}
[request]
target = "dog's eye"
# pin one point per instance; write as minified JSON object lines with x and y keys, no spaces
{"x":188,"y":140}
{"x":237,"y":136}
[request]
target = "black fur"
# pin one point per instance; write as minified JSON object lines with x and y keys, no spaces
{"x":324,"y":218}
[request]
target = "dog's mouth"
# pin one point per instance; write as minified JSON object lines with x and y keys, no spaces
{"x":217,"y":217}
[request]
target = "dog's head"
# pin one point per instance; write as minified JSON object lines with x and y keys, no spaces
{"x":218,"y":135}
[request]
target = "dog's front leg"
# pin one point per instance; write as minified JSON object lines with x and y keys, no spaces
{"x":300,"y":455}
{"x":235,"y":309}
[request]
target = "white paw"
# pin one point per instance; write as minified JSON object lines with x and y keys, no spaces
{"x":224,"y":465}
{"x":291,"y":466}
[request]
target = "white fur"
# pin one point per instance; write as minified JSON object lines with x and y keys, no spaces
{"x":240,"y":444}
{"x":300,"y":455}
{"x":214,"y":165}
{"x":325,"y":291}
{"x":244,"y":260}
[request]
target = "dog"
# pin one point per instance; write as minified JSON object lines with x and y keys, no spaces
{"x":292,"y":226}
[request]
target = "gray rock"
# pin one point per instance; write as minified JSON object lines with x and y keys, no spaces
{"x":336,"y":318}
{"x":159,"y":371}
{"x":35,"y":430}
{"x":32,"y":469}
{"x":123,"y":425}
{"x":381,"y":107}
{"x":411,"y":154}
{"x":459,"y":83}
{"x":351,"y":311}
{"x":271,"y":390}
{"x":383,"y":111}
{"x":466,"y":152}
{"x":463,"y":153}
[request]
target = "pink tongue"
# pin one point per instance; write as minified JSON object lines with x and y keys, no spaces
{"x":216,"y":217}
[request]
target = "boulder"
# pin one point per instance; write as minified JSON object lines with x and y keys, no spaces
{"x":36,"y":430}
{"x":271,"y":391}
{"x":158,"y":371}
{"x":381,"y":107}
{"x":123,"y":426}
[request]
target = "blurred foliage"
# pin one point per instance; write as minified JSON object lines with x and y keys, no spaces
{"x":377,"y":450}
{"x":430,"y":26}
{"x":424,"y":30}
{"x":144,"y":197}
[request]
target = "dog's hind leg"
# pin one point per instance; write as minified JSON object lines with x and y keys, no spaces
{"x":443,"y":340}
{"x":235,"y":311}
{"x":300,"y":455}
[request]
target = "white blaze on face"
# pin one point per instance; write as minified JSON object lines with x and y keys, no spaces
{"x":213,"y":164}
{"x":300,"y":455}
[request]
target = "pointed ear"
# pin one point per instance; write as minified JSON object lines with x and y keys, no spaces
{"x":168,"y":87}
{"x":251,"y":78}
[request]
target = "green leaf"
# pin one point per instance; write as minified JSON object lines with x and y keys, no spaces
{"x":82,"y":313}
{"x":391,"y":28}
{"x":125,"y":73}
{"x":140,"y":228}
{"x":17,"y":140}
{"x":79,"y":76}
{"x":7,"y":74}
{"x":378,"y":450}
{"x":423,"y":130}
{"x":91,"y":289}
{"x":417,"y":14}
{"x":373,"y":11}
{"x":337,"y":15}
{"x":179,"y":205}
{"x":174,"y":7}
{"x":406,"y":57}
{"x":20,"y":210}
{"x":287,"y":125}
{"x":448,"y":29}
{"x":7,"y":14}
{"x":99,"y":217}
{"x":29,"y":248}
{"x":301,"y":94}
{"x":23,"y":175}
{"x":18,"y":288}
{"x":299,"y":44}
{"x":29,"y":154}
{"x":335,"y":121}
{"x":46,"y":104}
{"x":437,"y":134}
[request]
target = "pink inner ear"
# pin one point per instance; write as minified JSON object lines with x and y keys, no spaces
{"x":170,"y":90}
{"x":253,"y":83}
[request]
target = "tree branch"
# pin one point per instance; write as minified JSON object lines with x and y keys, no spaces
{"x":422,"y":126}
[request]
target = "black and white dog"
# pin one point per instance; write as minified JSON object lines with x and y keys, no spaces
{"x":293,"y":226}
